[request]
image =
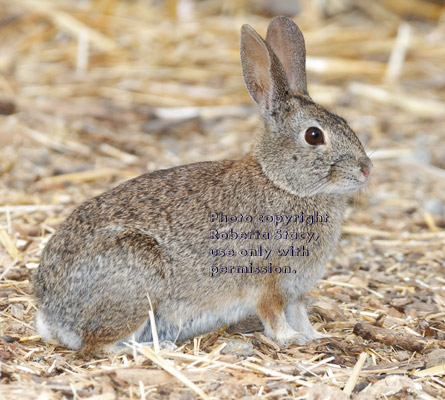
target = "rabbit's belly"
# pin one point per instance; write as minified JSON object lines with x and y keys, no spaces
{"x":174,"y":327}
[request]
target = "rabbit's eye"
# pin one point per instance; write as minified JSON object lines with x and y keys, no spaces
{"x":314,"y":136}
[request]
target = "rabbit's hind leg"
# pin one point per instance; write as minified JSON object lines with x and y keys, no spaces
{"x":102,"y":296}
{"x":144,"y":336}
{"x":134,"y":277}
{"x":60,"y":335}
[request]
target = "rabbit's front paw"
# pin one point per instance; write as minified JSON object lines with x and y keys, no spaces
{"x":319,"y":335}
{"x":300,"y":338}
{"x":292,"y":338}
{"x":312,"y":335}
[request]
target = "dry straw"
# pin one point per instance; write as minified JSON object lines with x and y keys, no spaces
{"x":96,"y":92}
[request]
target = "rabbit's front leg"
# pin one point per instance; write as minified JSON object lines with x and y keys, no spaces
{"x":298,"y":319}
{"x":270,"y":310}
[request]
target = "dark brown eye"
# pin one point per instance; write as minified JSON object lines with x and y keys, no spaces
{"x":314,"y":136}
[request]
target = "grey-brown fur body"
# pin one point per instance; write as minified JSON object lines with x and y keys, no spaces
{"x":150,"y":237}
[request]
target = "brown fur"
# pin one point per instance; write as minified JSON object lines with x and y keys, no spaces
{"x":149,"y":237}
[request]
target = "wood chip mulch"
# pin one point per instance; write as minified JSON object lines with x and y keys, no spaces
{"x":95,"y":92}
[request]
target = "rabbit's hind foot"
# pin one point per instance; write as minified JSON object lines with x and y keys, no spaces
{"x":57,"y":333}
{"x":131,"y":347}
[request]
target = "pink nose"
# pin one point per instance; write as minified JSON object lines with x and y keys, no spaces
{"x":366,"y":166}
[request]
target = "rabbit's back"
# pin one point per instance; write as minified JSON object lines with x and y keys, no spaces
{"x":174,"y":207}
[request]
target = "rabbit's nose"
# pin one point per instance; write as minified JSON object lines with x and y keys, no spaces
{"x":365,"y":166}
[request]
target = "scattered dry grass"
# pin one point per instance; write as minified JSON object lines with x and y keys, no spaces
{"x":95,"y":92}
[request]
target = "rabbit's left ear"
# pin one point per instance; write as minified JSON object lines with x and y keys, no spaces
{"x":263,"y":73}
{"x":287,"y":42}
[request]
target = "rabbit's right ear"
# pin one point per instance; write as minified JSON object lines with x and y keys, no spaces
{"x":287,"y":42}
{"x":263,"y":73}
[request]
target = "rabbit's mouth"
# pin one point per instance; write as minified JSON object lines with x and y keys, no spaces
{"x":354,"y":185}
{"x":348,"y":176}
{"x":345,"y":182}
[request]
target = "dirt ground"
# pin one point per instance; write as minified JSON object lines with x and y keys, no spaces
{"x":95,"y":92}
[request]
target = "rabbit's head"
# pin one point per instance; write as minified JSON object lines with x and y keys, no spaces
{"x":303,"y":148}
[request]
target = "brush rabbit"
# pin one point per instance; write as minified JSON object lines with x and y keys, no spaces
{"x":149,"y":239}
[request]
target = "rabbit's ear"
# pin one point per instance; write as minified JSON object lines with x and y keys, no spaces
{"x":287,"y":42}
{"x":263,"y":73}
